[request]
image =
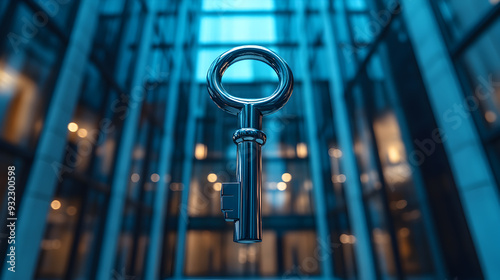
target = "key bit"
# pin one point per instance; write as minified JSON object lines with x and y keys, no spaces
{"x":229,"y":201}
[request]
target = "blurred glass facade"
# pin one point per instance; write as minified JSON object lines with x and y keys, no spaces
{"x":384,"y":164}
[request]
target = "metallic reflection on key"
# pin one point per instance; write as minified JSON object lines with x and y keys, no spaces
{"x":241,"y":201}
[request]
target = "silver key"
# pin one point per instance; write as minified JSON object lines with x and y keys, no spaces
{"x":241,"y":201}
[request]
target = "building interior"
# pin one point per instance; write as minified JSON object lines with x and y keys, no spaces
{"x":384,"y":163}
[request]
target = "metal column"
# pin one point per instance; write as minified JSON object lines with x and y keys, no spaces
{"x":187,"y":165}
{"x":123,"y":161}
{"x":43,"y":180}
{"x":472,"y":172}
{"x":154,"y":252}
{"x":314,"y":146}
{"x":354,"y":199}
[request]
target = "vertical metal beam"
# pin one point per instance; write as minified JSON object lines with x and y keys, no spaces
{"x":43,"y":180}
{"x":140,"y":202}
{"x":354,"y":198}
{"x":153,"y":256}
{"x":121,"y":174}
{"x":187,"y":165}
{"x":422,"y":197}
{"x":314,"y":146}
{"x":472,"y":172}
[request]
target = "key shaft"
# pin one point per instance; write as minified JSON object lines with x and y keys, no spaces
{"x":249,"y":140}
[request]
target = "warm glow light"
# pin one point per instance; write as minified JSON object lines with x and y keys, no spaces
{"x":55,"y":204}
{"x":138,"y":153}
{"x":364,"y":178}
{"x":347,"y":239}
{"x":212,"y":177}
{"x":252,"y":254}
{"x":344,"y":238}
{"x":352,"y":239}
{"x":341,"y":178}
{"x":242,"y":255}
{"x":71,"y":210}
{"x":155,"y":177}
{"x":338,"y":178}
{"x":308,"y":185}
{"x":135,"y":177}
{"x":281,"y":186}
{"x":490,"y":116}
{"x":217,"y":187}
{"x":404,"y":232}
{"x":401,"y":204}
{"x":286,"y":177}
{"x":6,"y":80}
{"x":200,"y":152}
{"x":73,"y":127}
{"x":336,"y":153}
{"x":301,"y":150}
{"x":393,"y":154}
{"x":82,"y":132}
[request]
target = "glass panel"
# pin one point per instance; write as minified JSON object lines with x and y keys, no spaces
{"x":381,"y":238}
{"x":87,"y":244}
{"x":28,"y":68}
{"x":364,"y":31}
{"x":210,"y":253}
{"x":481,"y":66}
{"x":236,"y":29}
{"x":403,"y":200}
{"x":61,"y":12}
{"x":404,"y":169}
{"x":298,"y":251}
{"x":235,"y":5}
{"x":72,"y":226}
{"x":356,"y":5}
{"x":462,"y":15}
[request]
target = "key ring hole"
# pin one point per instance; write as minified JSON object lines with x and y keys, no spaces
{"x":232,"y":104}
{"x":251,"y":79}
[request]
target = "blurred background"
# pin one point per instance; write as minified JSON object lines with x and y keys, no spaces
{"x":384,"y":164}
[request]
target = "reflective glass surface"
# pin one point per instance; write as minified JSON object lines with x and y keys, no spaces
{"x":462,"y":16}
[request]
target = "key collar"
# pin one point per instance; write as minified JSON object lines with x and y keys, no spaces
{"x":249,"y":134}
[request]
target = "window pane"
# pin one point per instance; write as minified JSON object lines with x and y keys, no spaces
{"x":461,"y":16}
{"x":481,"y":64}
{"x":28,"y":68}
{"x":234,"y":29}
{"x":61,"y":12}
{"x":234,"y":5}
